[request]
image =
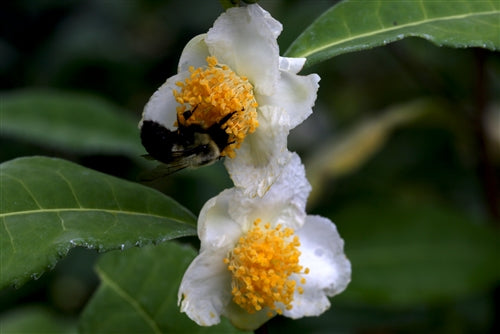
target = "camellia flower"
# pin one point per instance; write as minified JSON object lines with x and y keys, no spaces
{"x":264,"y":256}
{"x":233,"y":77}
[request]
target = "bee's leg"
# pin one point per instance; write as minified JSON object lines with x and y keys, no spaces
{"x":179,"y":124}
{"x":224,"y":120}
{"x":188,"y":113}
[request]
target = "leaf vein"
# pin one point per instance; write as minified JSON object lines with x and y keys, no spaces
{"x":113,"y":212}
{"x":424,"y":11}
{"x":70,"y":186}
{"x":399,"y":27}
{"x":25,"y":187}
{"x":113,"y":192}
{"x":349,"y":34}
{"x":62,"y":220}
{"x":129,"y":299}
{"x":377,"y":14}
{"x":9,"y":234}
{"x":115,"y":221}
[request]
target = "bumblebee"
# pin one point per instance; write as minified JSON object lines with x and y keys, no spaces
{"x":187,"y":146}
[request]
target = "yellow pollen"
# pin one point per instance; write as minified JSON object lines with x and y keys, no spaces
{"x":213,"y":92}
{"x":261,"y":265}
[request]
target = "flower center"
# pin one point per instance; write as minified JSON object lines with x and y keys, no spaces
{"x":261,"y":265}
{"x":210,"y":94}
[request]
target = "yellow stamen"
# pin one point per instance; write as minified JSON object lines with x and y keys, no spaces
{"x":261,"y":265}
{"x":212,"y":93}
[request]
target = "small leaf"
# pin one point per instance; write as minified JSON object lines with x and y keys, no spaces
{"x":408,"y":253}
{"x":355,"y":25}
{"x":138,"y":293}
{"x":48,"y":206}
{"x":69,"y":121}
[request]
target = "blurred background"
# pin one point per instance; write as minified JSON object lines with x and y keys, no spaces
{"x":403,"y":152}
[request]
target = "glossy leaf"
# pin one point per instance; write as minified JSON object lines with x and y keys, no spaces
{"x":354,"y":25}
{"x":48,"y":206}
{"x":69,"y":121}
{"x":138,"y":293}
{"x":408,"y":253}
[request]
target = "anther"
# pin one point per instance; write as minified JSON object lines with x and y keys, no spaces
{"x":261,"y":265}
{"x":219,"y":95}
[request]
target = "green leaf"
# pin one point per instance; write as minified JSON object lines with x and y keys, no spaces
{"x":35,"y":319}
{"x":354,"y":25}
{"x":407,"y":253}
{"x":138,"y":293}
{"x":48,"y":206}
{"x":69,"y":121}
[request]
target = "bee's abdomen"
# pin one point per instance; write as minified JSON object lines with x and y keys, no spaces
{"x":158,"y":140}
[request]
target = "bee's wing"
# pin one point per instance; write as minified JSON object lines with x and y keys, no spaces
{"x":179,"y":160}
{"x":160,"y":171}
{"x":148,"y":157}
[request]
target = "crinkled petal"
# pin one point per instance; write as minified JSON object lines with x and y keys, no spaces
{"x":205,"y":290}
{"x":244,"y":38}
{"x":292,"y":65}
{"x":216,"y":228}
{"x":161,"y":107}
{"x":283,"y":204}
{"x":195,"y":54}
{"x":322,"y":251}
{"x":259,"y":160}
{"x":294,"y":93}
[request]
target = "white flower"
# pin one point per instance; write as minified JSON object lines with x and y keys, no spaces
{"x":264,"y":256}
{"x":236,"y":68}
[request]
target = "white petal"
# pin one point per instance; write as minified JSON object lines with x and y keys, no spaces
{"x":274,"y":26}
{"x":244,"y":320}
{"x":322,"y":251}
{"x":284,"y":203}
{"x":296,"y":94}
{"x":292,"y":65}
{"x":161,"y":107}
{"x":244,"y":38}
{"x":195,"y":54}
{"x":205,"y":289}
{"x":312,"y":302}
{"x":260,"y":158}
{"x":216,"y":228}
